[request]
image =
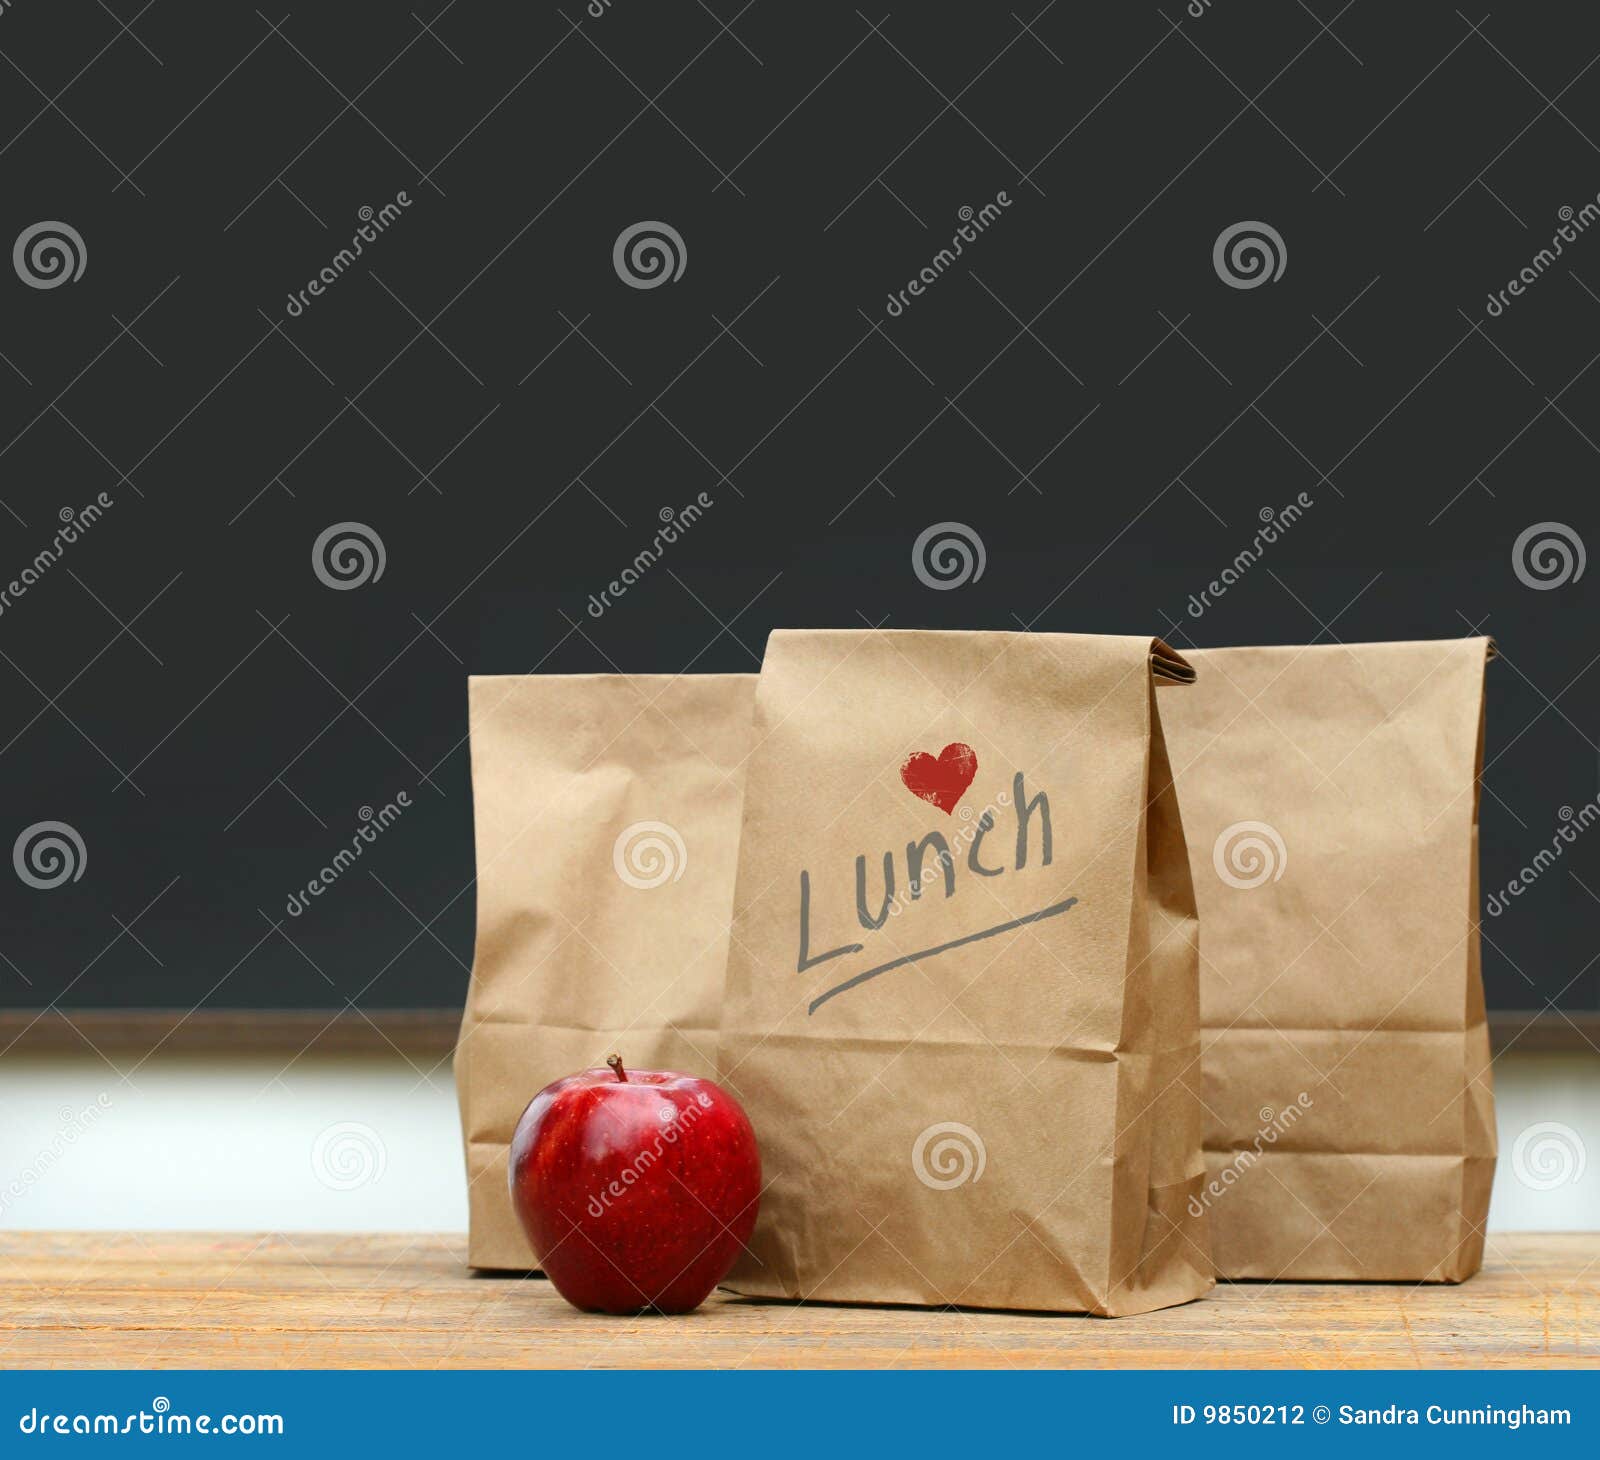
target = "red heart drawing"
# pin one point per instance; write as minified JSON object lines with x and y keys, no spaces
{"x":944,"y":779}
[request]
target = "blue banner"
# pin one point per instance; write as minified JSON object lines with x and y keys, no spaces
{"x":828,"y":1414}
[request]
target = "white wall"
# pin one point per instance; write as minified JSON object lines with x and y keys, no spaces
{"x":333,"y":1143}
{"x":1548,"y":1178}
{"x":371,"y":1143}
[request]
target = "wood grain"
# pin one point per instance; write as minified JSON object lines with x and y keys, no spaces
{"x":163,"y":1300}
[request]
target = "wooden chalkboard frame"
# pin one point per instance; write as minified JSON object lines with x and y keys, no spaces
{"x":431,"y":1033}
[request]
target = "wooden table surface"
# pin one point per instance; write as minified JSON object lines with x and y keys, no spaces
{"x":228,"y":1300}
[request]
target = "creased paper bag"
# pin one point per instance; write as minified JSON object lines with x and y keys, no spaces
{"x":1330,"y":796}
{"x":606,"y":813}
{"x":961,"y":1007}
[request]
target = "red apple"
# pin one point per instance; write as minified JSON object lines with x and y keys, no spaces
{"x":637,"y":1188}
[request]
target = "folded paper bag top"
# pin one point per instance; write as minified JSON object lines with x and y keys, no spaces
{"x":1330,"y":796}
{"x":961,"y":1006}
{"x":606,"y":811}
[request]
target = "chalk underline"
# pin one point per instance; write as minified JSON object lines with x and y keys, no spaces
{"x":1033,"y":917}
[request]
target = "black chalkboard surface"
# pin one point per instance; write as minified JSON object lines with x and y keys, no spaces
{"x":346,"y":354}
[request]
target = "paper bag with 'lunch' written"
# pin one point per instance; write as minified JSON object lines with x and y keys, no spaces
{"x":607,"y":822}
{"x":961,"y":1006}
{"x":1330,"y":796}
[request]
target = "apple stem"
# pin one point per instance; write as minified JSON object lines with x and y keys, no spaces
{"x":615,"y":1061}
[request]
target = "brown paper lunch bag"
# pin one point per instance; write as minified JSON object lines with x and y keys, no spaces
{"x":606,"y":812}
{"x":1330,"y":796}
{"x":961,"y":1006}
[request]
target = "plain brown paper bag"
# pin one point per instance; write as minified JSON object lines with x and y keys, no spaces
{"x":606,"y":813}
{"x":1330,"y":795}
{"x":982,"y":1100}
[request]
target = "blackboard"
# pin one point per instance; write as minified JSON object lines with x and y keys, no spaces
{"x":205,"y":378}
